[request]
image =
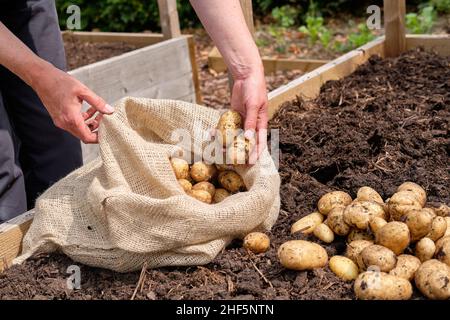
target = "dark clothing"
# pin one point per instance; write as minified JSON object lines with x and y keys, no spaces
{"x":33,"y":152}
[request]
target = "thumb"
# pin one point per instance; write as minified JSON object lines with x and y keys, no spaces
{"x":96,"y":102}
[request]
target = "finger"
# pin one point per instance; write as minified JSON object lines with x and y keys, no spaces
{"x":262,"y":125}
{"x":96,"y":122}
{"x":96,"y":102}
{"x":80,"y":129}
{"x":251,"y":117}
{"x":89,"y":113}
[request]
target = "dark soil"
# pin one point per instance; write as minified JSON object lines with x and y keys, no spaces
{"x":386,"y":123}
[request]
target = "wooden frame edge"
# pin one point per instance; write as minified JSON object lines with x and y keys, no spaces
{"x":139,"y":39}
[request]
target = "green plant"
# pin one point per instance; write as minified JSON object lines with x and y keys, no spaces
{"x":285,"y":16}
{"x":316,"y":31}
{"x":278,"y":34}
{"x":356,"y":39}
{"x":421,"y":22}
{"x":441,"y":5}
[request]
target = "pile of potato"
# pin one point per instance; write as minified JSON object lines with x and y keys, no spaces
{"x":212,"y":183}
{"x":390,"y":244}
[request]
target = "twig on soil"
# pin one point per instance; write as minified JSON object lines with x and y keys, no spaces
{"x":328,"y":286}
{"x":261,"y":274}
{"x":141,"y":280}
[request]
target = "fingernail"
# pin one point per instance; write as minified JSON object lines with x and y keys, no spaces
{"x":249,"y":134}
{"x":109,"y":108}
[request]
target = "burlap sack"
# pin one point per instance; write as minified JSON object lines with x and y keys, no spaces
{"x":126,"y":207}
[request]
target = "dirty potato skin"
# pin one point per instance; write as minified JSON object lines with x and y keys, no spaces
{"x":371,"y":285}
{"x":229,"y":124}
{"x":201,"y":195}
{"x":257,"y":242}
{"x":344,"y":268}
{"x":433,"y":280}
{"x":443,"y":250}
{"x":379,"y":256}
{"x":308,"y":223}
{"x":359,"y":213}
{"x":333,"y":199}
{"x":368,"y":194}
{"x":206,"y":186}
{"x":201,"y":171}
{"x":438,"y":228}
{"x":185,"y":184}
{"x":335,"y":220}
{"x":394,"y":235}
{"x":406,"y":267}
{"x":220,"y":195}
{"x":425,"y":249}
{"x":376,"y":223}
{"x":420,"y":193}
{"x":401,"y":203}
{"x":354,"y":248}
{"x":324,"y":233}
{"x":357,"y":234}
{"x":419,"y":224}
{"x":231,"y":181}
{"x":180,"y":168}
{"x":302,"y":255}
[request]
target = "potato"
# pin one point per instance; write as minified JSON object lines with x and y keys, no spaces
{"x":333,"y":199}
{"x":220,"y":195}
{"x":377,"y":256}
{"x":356,"y":234}
{"x":224,"y":167}
{"x":335,"y":220}
{"x":257,"y":242}
{"x":354,"y":248}
{"x":425,"y":249}
{"x":420,"y":193}
{"x":201,"y":195}
{"x":406,"y":267}
{"x":442,"y":210}
{"x":443,"y":250}
{"x":376,"y":223}
{"x":185,"y":184}
{"x":239,"y":151}
{"x":438,"y":228}
{"x":308,"y":223}
{"x":206,"y":186}
{"x":394,"y":235}
{"x":180,"y":168}
{"x":432,"y":279}
{"x":302,"y":255}
{"x":430,"y":212}
{"x":447,"y":231}
{"x":368,"y":194}
{"x":372,"y":285}
{"x":324,"y":233}
{"x":229,"y":124}
{"x":401,"y":203}
{"x":201,"y":171}
{"x":359,"y":213}
{"x":419,"y":224}
{"x":344,"y":268}
{"x":231,"y":181}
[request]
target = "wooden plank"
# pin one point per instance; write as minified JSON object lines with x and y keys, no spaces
{"x":308,"y":85}
{"x":216,"y":63}
{"x":247,"y":10}
{"x":195,"y":74}
{"x":11,"y":235}
{"x":394,"y":26}
{"x":138,"y":39}
{"x":168,"y":17}
{"x":438,"y":42}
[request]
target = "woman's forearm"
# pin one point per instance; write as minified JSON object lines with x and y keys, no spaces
{"x":225,"y":23}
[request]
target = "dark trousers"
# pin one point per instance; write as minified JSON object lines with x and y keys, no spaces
{"x":34,"y":153}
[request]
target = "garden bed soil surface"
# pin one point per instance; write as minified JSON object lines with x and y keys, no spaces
{"x":386,"y":123}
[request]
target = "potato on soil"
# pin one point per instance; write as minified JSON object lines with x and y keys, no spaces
{"x":443,"y":250}
{"x":201,"y":171}
{"x":302,"y":255}
{"x":220,"y":195}
{"x":344,"y":268}
{"x":359,"y":213}
{"x":206,"y":186}
{"x":419,"y":224}
{"x":376,"y":223}
{"x":438,"y":228}
{"x":357,"y":234}
{"x":335,"y":220}
{"x":333,"y":199}
{"x":442,"y":210}
{"x":324,"y":233}
{"x":372,"y":285}
{"x":257,"y":242}
{"x":433,"y":280}
{"x":406,"y":267}
{"x":354,"y":248}
{"x":368,"y":194}
{"x":377,"y":256}
{"x":416,"y":189}
{"x":185,"y":184}
{"x":401,"y":203}
{"x":180,"y":168}
{"x":201,"y":195}
{"x":394,"y":235}
{"x":425,"y":249}
{"x":308,"y":223}
{"x":231,"y":181}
